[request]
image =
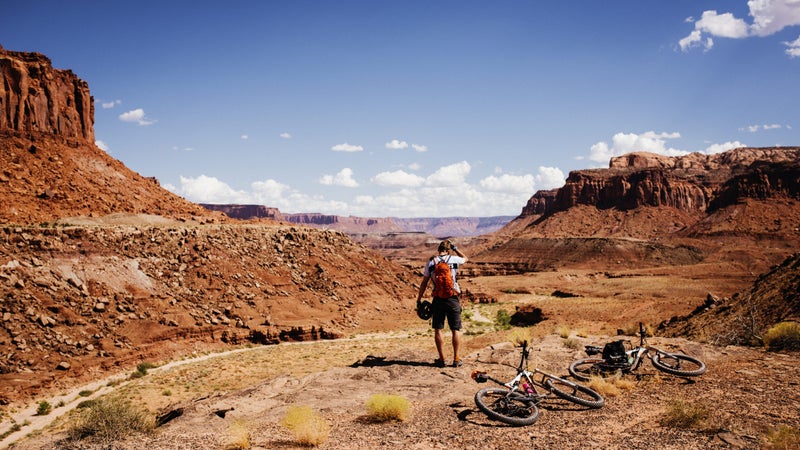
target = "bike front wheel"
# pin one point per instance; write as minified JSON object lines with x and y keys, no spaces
{"x":574,"y":392}
{"x":678,"y":364}
{"x":506,"y":406}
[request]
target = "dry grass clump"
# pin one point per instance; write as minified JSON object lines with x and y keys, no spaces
{"x":633,"y":329}
{"x":239,"y":438}
{"x":519,"y":335}
{"x":682,"y":414}
{"x":111,"y":419}
{"x":386,"y":407}
{"x":307,"y":426}
{"x":783,"y":438}
{"x":610,"y":386}
{"x":563,"y":331}
{"x":783,"y":336}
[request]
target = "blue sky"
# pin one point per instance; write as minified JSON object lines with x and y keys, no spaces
{"x":415,"y":108}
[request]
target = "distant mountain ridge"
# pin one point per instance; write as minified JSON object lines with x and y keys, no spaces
{"x":435,"y":226}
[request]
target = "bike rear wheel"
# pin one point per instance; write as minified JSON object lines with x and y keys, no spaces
{"x":574,"y":392}
{"x":583,"y":369}
{"x":506,"y":406}
{"x":678,"y":364}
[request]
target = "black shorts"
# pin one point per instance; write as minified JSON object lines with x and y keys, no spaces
{"x":449,"y":308}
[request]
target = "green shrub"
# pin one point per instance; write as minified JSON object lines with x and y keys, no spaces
{"x":306,"y":425}
{"x":503,"y":320}
{"x":783,"y":336}
{"x":14,"y":428}
{"x":141,"y":369}
{"x":385,"y":407}
{"x":86,"y":404}
{"x":111,"y":419}
{"x":44,"y":408}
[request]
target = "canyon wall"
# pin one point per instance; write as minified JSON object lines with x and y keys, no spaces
{"x":35,"y":97}
{"x":692,"y":183}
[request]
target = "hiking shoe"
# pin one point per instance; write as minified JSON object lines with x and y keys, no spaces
{"x":457,"y":363}
{"x":439,"y":363}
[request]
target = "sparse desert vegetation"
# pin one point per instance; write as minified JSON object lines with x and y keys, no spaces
{"x":386,"y":407}
{"x":306,"y":425}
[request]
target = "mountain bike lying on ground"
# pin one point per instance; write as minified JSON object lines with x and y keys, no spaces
{"x":622,"y":357}
{"x":515,"y":402}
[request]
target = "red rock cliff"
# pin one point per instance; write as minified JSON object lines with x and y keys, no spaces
{"x":691,"y":183}
{"x":36,"y":97}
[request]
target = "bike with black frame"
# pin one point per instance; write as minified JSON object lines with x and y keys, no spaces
{"x":515,"y":402}
{"x":621,"y":357}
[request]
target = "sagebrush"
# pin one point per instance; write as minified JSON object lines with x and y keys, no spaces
{"x":111,"y":419}
{"x":783,"y":336}
{"x":307,"y":426}
{"x":386,"y":407}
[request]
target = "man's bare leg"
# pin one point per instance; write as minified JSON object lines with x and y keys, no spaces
{"x":439,"y":339}
{"x":456,"y":344}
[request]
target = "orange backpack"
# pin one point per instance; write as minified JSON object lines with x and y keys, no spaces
{"x":443,"y":286}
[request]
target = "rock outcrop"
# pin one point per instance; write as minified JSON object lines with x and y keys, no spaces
{"x":691,"y":183}
{"x":747,"y":315}
{"x":246,"y":212}
{"x":35,"y":97}
{"x":50,"y":167}
{"x":647,"y":210}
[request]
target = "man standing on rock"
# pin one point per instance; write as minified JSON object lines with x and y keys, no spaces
{"x":442,"y":269}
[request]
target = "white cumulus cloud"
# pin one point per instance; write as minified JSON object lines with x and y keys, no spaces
{"x":622,"y":143}
{"x":343,"y":178}
{"x":419,"y":148}
{"x":394,"y":144}
{"x":285,"y":135}
{"x":136,"y":116}
{"x":793,"y":48}
{"x":721,"y":25}
{"x":765,"y":127}
{"x":549,"y":178}
{"x":452,"y":175}
{"x":205,"y":189}
{"x":398,"y":178}
{"x":719,"y":148}
{"x":111,"y":104}
{"x":509,"y":183}
{"x":769,"y":17}
{"x":347,"y":148}
{"x":101,"y":145}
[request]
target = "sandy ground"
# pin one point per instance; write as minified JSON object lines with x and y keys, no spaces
{"x":746,"y":392}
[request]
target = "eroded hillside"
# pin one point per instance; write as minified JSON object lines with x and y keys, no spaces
{"x":74,"y":298}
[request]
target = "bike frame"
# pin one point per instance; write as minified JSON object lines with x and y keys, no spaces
{"x":536,"y":390}
{"x":636,"y":354}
